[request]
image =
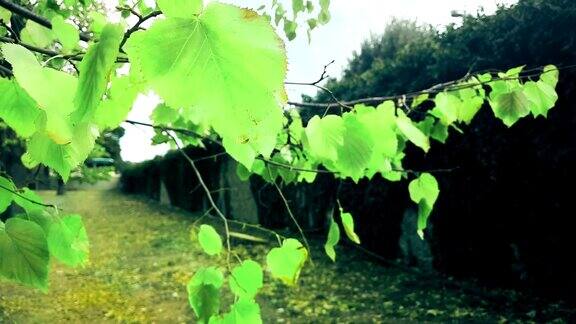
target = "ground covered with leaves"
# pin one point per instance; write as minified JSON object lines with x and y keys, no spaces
{"x":142,"y":257}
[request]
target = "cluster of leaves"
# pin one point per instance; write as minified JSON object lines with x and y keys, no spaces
{"x":303,"y":13}
{"x":221,"y":76}
{"x":32,"y":237}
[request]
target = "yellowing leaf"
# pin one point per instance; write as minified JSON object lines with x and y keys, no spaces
{"x":286,"y":262}
{"x":348,"y":223}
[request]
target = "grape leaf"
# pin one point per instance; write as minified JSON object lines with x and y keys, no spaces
{"x":66,"y":33}
{"x":332,"y":239}
{"x":24,"y":253}
{"x":18,"y":110}
{"x":286,"y":262}
{"x":246,"y":279}
{"x":244,"y":311}
{"x":510,"y":106}
{"x":114,"y":109}
{"x":424,"y":191}
{"x":356,"y":152}
{"x":324,"y":136}
{"x":542,"y":97}
{"x":62,"y":158}
{"x":68,"y":241}
{"x":26,"y":199}
{"x":95,"y":70}
{"x":348,"y":223}
{"x":40,"y":83}
{"x":226,"y":62}
{"x":36,"y":34}
{"x":180,"y":8}
{"x":6,"y":193}
{"x":209,"y":240}
{"x":412,"y":132}
{"x":204,"y":292}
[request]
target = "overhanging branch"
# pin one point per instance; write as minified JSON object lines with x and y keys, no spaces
{"x":24,"y":12}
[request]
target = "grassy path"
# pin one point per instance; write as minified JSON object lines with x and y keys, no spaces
{"x":142,"y":257}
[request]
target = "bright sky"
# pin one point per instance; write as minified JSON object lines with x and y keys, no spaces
{"x":352,"y":22}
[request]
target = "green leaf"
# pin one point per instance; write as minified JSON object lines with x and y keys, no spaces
{"x":63,"y":158}
{"x":412,"y":133}
{"x":290,"y":29}
{"x":447,"y":108}
{"x":209,"y":240}
{"x":95,"y":70}
{"x":381,"y":123}
{"x":510,"y":106}
{"x":5,"y":14}
{"x":348,"y":223}
{"x":38,"y":35}
{"x":68,"y":241}
{"x":6,"y":193}
{"x":26,"y":199}
{"x":286,"y":262}
{"x":550,"y":75}
{"x":246,"y":279}
{"x":66,"y":33}
{"x":51,"y":89}
{"x":204,"y":292}
{"x":97,"y":22}
{"x":180,"y":8}
{"x":309,"y":6}
{"x":332,"y":239}
{"x":424,"y":191}
{"x":356,"y":152}
{"x":19,"y":111}
{"x":324,"y":136}
{"x":297,"y":7}
{"x":425,"y":187}
{"x":113,"y":110}
{"x":324,"y":15}
{"x":164,"y":115}
{"x":418,"y":100}
{"x":244,"y":311}
{"x":24,"y":253}
{"x":228,"y":63}
{"x":542,"y":97}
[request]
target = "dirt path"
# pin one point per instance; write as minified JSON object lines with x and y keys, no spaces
{"x":142,"y":257}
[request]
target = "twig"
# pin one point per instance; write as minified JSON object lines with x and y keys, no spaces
{"x":294,"y":220}
{"x":24,"y":12}
{"x":136,"y":26}
{"x":446,"y":86}
{"x":28,"y":199}
{"x":208,"y":195}
{"x":75,"y":56}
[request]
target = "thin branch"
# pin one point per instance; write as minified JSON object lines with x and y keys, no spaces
{"x":12,"y":32}
{"x":177,"y":130}
{"x":26,"y":198}
{"x":294,"y":220}
{"x":136,"y":26}
{"x":450,"y":86}
{"x":76,"y":56}
{"x":6,"y":71}
{"x":208,"y":195}
{"x":24,"y":12}
{"x":316,"y":84}
{"x":323,"y":77}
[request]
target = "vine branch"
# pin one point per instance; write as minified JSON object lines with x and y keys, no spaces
{"x":26,"y":198}
{"x":294,"y":220}
{"x":28,"y":14}
{"x":208,"y":194}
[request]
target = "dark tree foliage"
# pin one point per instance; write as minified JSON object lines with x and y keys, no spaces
{"x":506,"y":214}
